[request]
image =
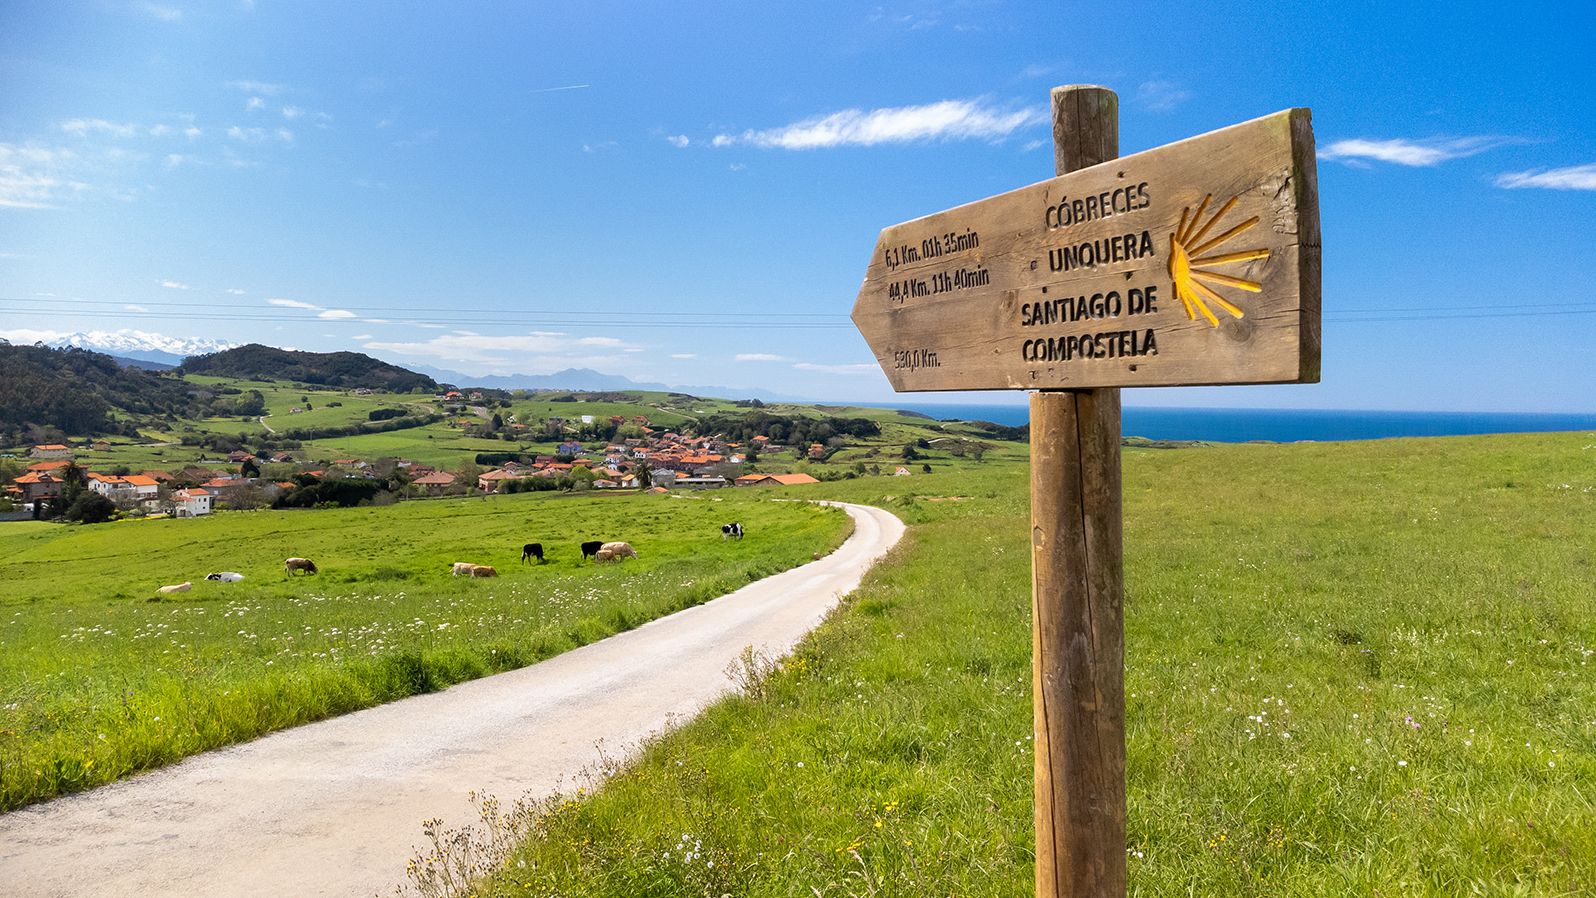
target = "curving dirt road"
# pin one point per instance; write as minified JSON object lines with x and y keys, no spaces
{"x":334,"y":808}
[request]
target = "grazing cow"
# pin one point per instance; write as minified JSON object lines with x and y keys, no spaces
{"x":483,"y":570}
{"x":299,"y":564}
{"x":185,"y":586}
{"x":225,"y":577}
{"x":733,"y":530}
{"x":603,"y":556}
{"x":462,"y":567}
{"x":620,"y":550}
{"x":591,"y":547}
{"x":532,"y":550}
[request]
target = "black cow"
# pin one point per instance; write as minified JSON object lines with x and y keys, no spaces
{"x":532,"y":550}
{"x":733,"y":530}
{"x":590,"y":548}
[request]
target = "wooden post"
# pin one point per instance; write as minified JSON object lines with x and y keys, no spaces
{"x":1078,"y":590}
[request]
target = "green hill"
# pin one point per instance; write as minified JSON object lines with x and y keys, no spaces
{"x":327,"y":369}
{"x":80,"y":392}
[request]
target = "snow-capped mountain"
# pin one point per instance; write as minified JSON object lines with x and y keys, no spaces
{"x":142,"y":346}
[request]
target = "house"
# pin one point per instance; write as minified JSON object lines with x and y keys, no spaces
{"x":40,"y":467}
{"x":489,"y":482}
{"x":145,"y":487}
{"x":817,"y":451}
{"x":775,"y":479}
{"x":901,"y":472}
{"x":191,"y":503}
{"x":36,"y":485}
{"x":124,"y":490}
{"x":435,"y":483}
{"x":100,"y":446}
{"x":51,"y":450}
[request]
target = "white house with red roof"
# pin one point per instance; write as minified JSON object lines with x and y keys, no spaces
{"x":191,"y":503}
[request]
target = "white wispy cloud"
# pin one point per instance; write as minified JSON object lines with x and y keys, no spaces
{"x":292,"y":112}
{"x":192,"y":132}
{"x":34,"y":177}
{"x":550,"y":90}
{"x":1573,"y":177}
{"x":174,"y":285}
{"x":334,"y":314}
{"x":838,"y":369}
{"x":361,"y":337}
{"x":85,"y":126}
{"x":677,"y":140}
{"x":285,"y":135}
{"x":246,"y":135}
{"x":265,"y":88}
{"x":173,"y":160}
{"x":759,"y":357}
{"x":529,"y":352}
{"x":293,"y":304}
{"x":1161,"y":96}
{"x":131,"y":307}
{"x":943,"y":120}
{"x":1413,"y":153}
{"x":235,"y":291}
{"x":684,"y":355}
{"x":254,"y":103}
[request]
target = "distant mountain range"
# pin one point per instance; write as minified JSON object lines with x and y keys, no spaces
{"x":586,"y":379}
{"x":158,"y":352}
{"x":141,"y":349}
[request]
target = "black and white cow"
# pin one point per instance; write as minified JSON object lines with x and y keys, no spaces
{"x":733,"y":530}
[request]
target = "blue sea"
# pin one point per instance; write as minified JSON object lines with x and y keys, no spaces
{"x":1236,"y":425}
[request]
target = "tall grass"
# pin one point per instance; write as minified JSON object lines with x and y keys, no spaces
{"x":1354,"y":669}
{"x":98,"y":679}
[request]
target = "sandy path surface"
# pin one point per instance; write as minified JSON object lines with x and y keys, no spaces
{"x":334,"y":808}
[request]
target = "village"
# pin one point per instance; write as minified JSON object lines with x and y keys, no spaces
{"x":656,"y":460}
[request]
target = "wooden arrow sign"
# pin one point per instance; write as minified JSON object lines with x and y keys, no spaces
{"x":1193,"y":263}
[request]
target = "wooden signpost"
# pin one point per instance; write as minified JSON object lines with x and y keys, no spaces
{"x":1192,"y":263}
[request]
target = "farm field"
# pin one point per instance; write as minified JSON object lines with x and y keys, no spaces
{"x":99,"y":680}
{"x":1352,"y":669}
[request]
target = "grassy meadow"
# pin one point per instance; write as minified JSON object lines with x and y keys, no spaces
{"x":1352,"y":669}
{"x":100,"y":678}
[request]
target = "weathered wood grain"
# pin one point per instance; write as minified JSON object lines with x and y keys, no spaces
{"x":947,"y":299}
{"x":1077,"y":592}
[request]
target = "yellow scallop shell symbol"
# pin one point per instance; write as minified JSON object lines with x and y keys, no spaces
{"x":1186,"y":256}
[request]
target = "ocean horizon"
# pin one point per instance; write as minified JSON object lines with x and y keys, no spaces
{"x":1240,"y":425}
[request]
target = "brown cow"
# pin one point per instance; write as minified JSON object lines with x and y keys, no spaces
{"x":299,"y":564}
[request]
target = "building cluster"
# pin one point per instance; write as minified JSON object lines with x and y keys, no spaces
{"x":659,"y":459}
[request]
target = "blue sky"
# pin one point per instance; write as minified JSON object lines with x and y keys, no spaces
{"x":690,"y":193}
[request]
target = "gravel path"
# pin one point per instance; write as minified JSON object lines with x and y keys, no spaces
{"x":334,"y":808}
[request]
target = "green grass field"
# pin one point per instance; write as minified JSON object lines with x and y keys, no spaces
{"x":1352,"y":669}
{"x":98,"y":680}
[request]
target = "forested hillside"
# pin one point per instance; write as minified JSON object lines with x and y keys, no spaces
{"x":329,"y":369}
{"x":79,"y":392}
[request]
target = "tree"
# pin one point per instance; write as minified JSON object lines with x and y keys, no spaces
{"x":90,"y":508}
{"x":249,"y":468}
